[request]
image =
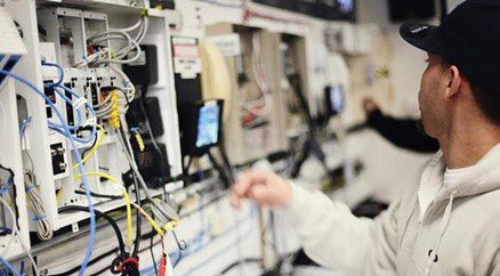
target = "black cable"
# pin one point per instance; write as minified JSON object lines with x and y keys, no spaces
{"x":92,"y":262}
{"x":84,"y":153}
{"x":100,"y":214}
{"x":123,"y":265}
{"x":238,"y":263}
{"x":137,"y":241}
{"x":99,"y":195}
{"x":151,"y":245}
{"x":222,"y":172}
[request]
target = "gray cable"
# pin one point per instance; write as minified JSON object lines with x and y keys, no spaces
{"x":165,"y":212}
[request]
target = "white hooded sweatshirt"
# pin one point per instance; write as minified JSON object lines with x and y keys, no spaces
{"x":458,"y":233}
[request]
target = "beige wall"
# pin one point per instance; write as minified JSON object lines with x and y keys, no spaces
{"x":390,"y":170}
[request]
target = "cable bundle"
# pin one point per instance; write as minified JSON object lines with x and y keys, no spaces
{"x":63,"y":128}
{"x":262,"y":105}
{"x":14,"y":231}
{"x":104,"y":56}
{"x":44,"y":230}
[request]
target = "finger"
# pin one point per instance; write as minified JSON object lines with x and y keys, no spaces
{"x":262,"y":195}
{"x":247,"y":179}
{"x":235,"y":200}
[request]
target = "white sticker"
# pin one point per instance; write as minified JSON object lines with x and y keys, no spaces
{"x":79,"y":103}
{"x":91,"y":121}
{"x":229,"y":45}
{"x":188,"y":68}
{"x":186,"y":54}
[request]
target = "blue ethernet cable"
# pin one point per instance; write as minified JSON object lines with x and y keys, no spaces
{"x":76,"y":150}
{"x":59,"y":84}
{"x":60,"y":69}
{"x":24,"y":125}
{"x":9,"y":266}
{"x":56,"y":127}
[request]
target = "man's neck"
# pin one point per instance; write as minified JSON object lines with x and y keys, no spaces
{"x":466,"y":144}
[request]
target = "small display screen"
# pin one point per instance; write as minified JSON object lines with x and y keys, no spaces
{"x":336,"y":99}
{"x":208,"y":125}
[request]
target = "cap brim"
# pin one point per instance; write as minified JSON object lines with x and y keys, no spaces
{"x":422,"y":36}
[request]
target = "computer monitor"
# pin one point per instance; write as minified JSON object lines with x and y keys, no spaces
{"x":201,"y":126}
{"x":334,"y":100}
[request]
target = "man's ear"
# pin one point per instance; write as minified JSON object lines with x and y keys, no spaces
{"x":454,"y":80}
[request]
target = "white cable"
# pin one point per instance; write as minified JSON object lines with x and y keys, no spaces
{"x":140,"y":38}
{"x":263,"y":105}
{"x":129,"y":86}
{"x":165,"y":211}
{"x":121,"y":53}
{"x":35,"y":201}
{"x":130,"y":28}
{"x":16,"y":233}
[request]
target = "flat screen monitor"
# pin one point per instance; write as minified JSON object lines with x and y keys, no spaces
{"x":334,"y":100}
{"x":208,"y":125}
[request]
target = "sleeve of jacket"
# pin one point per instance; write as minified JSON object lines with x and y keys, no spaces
{"x":403,"y":133}
{"x":334,"y":238}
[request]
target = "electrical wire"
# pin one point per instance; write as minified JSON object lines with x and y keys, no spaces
{"x":100,"y":214}
{"x":9,"y":266}
{"x":44,"y":230}
{"x":76,"y":150}
{"x":129,"y":87}
{"x":121,"y":53}
{"x":165,"y":213}
{"x":16,"y":234}
{"x":262,"y":106}
{"x":125,"y":265}
{"x":102,"y":133}
{"x":126,"y":198}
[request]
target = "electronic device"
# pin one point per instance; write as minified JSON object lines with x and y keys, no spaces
{"x":163,"y":4}
{"x":153,"y":164}
{"x":334,"y":100}
{"x":136,"y":116}
{"x":143,"y":71}
{"x":201,"y":126}
{"x":411,"y":9}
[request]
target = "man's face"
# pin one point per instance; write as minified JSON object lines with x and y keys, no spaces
{"x":432,"y":86}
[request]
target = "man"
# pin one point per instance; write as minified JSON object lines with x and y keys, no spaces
{"x":403,"y":133}
{"x":450,"y":224}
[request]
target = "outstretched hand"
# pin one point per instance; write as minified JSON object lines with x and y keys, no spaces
{"x":264,"y":187}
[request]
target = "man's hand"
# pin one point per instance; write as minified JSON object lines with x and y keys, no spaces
{"x":264,"y":187}
{"x":370,"y":105}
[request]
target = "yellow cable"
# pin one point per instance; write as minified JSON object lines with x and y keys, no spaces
{"x":59,"y":194}
{"x":126,"y":198}
{"x":99,"y":174}
{"x":115,"y":110}
{"x":102,"y":133}
{"x":140,"y":141}
{"x":151,"y":221}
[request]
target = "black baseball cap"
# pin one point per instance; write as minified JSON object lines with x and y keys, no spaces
{"x":469,"y":38}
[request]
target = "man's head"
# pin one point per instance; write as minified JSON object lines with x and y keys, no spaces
{"x":462,"y":80}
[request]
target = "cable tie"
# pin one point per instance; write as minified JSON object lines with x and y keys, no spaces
{"x":39,"y":217}
{"x":79,"y":103}
{"x":91,"y":122}
{"x":29,"y":188}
